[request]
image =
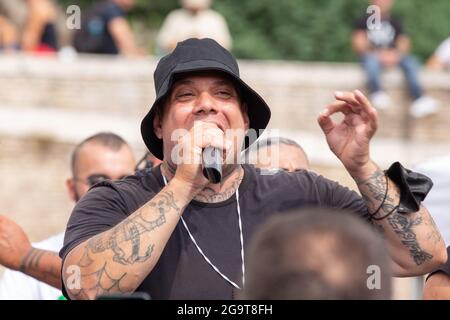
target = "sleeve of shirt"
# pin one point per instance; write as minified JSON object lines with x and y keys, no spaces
{"x":99,"y":210}
{"x":443,"y":51}
{"x":111,"y":12}
{"x":399,"y":30}
{"x":332,"y":194}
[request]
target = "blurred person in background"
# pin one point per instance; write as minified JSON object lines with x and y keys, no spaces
{"x":34,"y":270}
{"x":40,"y":31}
{"x":440,"y":60}
{"x":9,"y":41}
{"x":105,"y":29}
{"x":437,"y":285}
{"x":147,"y":161}
{"x":385,"y":46}
{"x":437,"y":201}
{"x":194,"y":20}
{"x":317,"y":253}
{"x":40,"y":26}
{"x":277,"y":154}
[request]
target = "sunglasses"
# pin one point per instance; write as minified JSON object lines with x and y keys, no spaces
{"x":94,"y":179}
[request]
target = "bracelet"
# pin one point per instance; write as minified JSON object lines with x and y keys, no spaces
{"x":387,"y":214}
{"x":384,"y":199}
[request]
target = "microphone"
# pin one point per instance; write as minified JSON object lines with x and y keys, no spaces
{"x":212,"y":164}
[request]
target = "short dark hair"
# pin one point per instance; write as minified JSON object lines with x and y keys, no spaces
{"x":316,"y":254}
{"x":106,"y":139}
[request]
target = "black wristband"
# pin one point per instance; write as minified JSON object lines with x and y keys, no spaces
{"x":413,"y":187}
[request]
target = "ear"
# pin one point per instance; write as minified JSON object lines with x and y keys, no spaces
{"x":157,"y":126}
{"x":70,"y":185}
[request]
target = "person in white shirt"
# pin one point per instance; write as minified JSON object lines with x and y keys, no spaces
{"x":437,"y":201}
{"x":34,"y":270}
{"x":194,"y":20}
{"x":441,"y":58}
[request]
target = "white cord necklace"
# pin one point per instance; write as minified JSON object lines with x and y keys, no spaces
{"x":204,"y":255}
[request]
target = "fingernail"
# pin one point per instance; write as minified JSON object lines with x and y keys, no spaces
{"x":338,"y":93}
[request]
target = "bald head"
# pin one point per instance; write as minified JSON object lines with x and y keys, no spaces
{"x":104,"y":155}
{"x":278,"y":153}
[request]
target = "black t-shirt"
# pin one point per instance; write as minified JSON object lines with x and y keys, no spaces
{"x":181,"y":272}
{"x":383,"y":37}
{"x":94,"y":35}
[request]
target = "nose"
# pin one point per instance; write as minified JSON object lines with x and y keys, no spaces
{"x":205,"y":104}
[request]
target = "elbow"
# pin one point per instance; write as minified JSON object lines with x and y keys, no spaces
{"x":77,"y":286}
{"x":440,"y":256}
{"x":426,"y":263}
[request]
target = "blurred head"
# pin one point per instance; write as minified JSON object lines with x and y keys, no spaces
{"x":104,"y":156}
{"x":384,"y":5}
{"x":209,"y":96}
{"x":147,"y":161}
{"x":125,"y":4}
{"x":196,"y":5}
{"x":316,"y":254}
{"x":279,"y":154}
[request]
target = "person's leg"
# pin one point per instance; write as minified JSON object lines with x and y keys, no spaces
{"x":422,"y":105}
{"x":372,"y":66}
{"x":8,"y":35}
{"x":410,"y":67}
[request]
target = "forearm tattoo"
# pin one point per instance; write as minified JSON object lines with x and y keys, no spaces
{"x":374,"y":191}
{"x":44,"y":265}
{"x":126,"y":244}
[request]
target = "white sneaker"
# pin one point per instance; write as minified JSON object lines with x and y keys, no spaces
{"x":380,"y":100}
{"x":423,"y":106}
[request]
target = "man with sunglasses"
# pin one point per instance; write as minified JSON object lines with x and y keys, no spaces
{"x":35,"y":270}
{"x":172,"y":233}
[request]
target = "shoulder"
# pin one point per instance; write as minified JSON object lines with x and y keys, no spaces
{"x":128,"y":192}
{"x":444,"y":47}
{"x":281,"y":181}
{"x":112,"y":10}
{"x":177,"y":15}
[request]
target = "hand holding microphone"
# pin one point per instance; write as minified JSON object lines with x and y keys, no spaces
{"x":203,"y":150}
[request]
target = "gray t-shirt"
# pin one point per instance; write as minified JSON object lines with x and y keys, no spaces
{"x":181,"y":272}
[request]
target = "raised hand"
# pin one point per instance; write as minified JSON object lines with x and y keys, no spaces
{"x":349,"y":140}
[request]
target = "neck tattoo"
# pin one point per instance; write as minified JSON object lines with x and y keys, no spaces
{"x":209,"y":194}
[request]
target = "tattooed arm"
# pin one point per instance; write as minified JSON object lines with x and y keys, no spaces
{"x":43,"y":265}
{"x":118,"y":260}
{"x":414,"y":241}
{"x":16,"y":253}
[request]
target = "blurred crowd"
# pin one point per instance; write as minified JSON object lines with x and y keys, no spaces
{"x":310,"y":247}
{"x":39,"y":26}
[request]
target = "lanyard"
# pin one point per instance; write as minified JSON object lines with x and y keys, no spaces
{"x":204,"y":255}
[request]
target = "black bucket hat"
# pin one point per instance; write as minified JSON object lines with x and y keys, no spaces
{"x":194,"y":55}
